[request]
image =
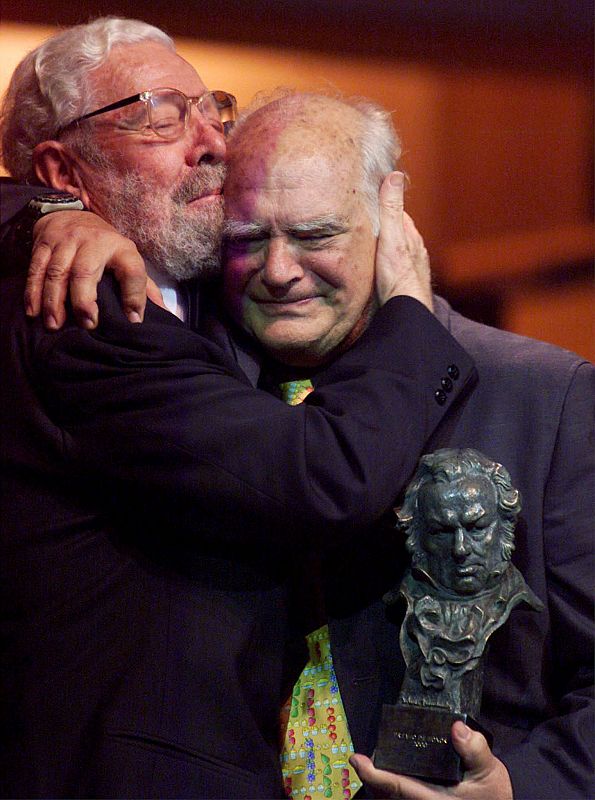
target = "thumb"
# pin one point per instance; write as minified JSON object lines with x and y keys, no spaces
{"x":391,"y":207}
{"x":402,"y":264}
{"x":384,"y":784}
{"x":472,"y":747}
{"x":391,"y":195}
{"x":485,"y":775}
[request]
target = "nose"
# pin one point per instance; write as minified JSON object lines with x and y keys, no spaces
{"x":206,"y":141}
{"x":280,"y":268}
{"x":460,"y":545}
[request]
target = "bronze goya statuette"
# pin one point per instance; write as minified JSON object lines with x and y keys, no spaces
{"x":459,"y":515}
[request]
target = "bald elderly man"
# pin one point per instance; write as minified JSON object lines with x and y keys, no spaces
{"x":299,"y":264}
{"x":299,"y":256}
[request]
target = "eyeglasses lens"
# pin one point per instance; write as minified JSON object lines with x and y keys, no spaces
{"x":226,"y":106}
{"x":167,"y":112}
{"x":209,"y":107}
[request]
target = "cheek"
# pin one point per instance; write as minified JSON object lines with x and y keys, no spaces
{"x":166,"y":174}
{"x":357,"y":287}
{"x":361,"y":292}
{"x":163,"y":166}
{"x":362,"y":256}
{"x":493,"y":553}
{"x":352,"y":281}
{"x":435,"y":545}
{"x":484,"y":545}
{"x":105,"y":192}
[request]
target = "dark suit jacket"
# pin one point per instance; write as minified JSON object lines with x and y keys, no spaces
{"x":532,"y":410}
{"x":148,"y":498}
{"x":15,"y":196}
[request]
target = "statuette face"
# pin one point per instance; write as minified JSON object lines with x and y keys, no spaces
{"x":460,"y":534}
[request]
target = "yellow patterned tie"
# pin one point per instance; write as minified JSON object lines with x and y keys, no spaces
{"x":295,"y":392}
{"x":317,"y":744}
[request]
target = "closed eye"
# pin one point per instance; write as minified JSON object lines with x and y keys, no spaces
{"x":315,"y":241}
{"x":250,"y":243}
{"x":167,"y":125}
{"x":318,"y":230}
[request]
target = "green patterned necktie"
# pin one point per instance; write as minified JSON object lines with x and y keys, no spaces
{"x":317,"y":743}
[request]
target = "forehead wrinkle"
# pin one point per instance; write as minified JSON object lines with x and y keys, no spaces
{"x":125,"y":70}
{"x":318,"y":128}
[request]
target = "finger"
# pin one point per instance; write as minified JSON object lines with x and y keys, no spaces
{"x":413,"y":238}
{"x":472,"y":747}
{"x":391,"y":210}
{"x":85,"y":273}
{"x":391,"y":250}
{"x":402,"y":264}
{"x":129,"y":269}
{"x":83,"y":298}
{"x":385,"y":784}
{"x":388,"y":785}
{"x":34,"y":287}
{"x":417,"y":249}
{"x":55,"y":286}
{"x":154,"y":293}
{"x":411,"y":233}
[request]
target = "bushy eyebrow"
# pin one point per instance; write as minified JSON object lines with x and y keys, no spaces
{"x":234,"y":229}
{"x":328,"y":225}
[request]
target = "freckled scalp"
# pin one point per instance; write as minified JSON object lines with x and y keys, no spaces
{"x":350,"y":133}
{"x":308,"y":123}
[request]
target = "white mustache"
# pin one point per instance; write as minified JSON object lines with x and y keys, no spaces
{"x":206,"y":179}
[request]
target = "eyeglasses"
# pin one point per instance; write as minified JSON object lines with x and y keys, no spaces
{"x":168,"y":110}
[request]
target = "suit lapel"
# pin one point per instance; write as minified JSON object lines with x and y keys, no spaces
{"x":206,"y":317}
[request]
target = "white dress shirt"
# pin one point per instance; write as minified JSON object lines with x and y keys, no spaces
{"x":174,"y":297}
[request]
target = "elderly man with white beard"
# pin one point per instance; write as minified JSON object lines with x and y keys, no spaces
{"x":149,"y":494}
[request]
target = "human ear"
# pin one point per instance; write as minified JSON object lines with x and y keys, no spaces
{"x":57,"y":167}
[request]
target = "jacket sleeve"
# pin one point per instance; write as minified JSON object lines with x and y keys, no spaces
{"x":556,"y":759}
{"x":13,"y":199}
{"x":159,"y":409}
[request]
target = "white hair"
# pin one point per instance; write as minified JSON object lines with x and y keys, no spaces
{"x":378,"y":142}
{"x":380,"y":150}
{"x":50,"y":87}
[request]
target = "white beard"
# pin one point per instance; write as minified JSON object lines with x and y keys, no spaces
{"x":180,"y":241}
